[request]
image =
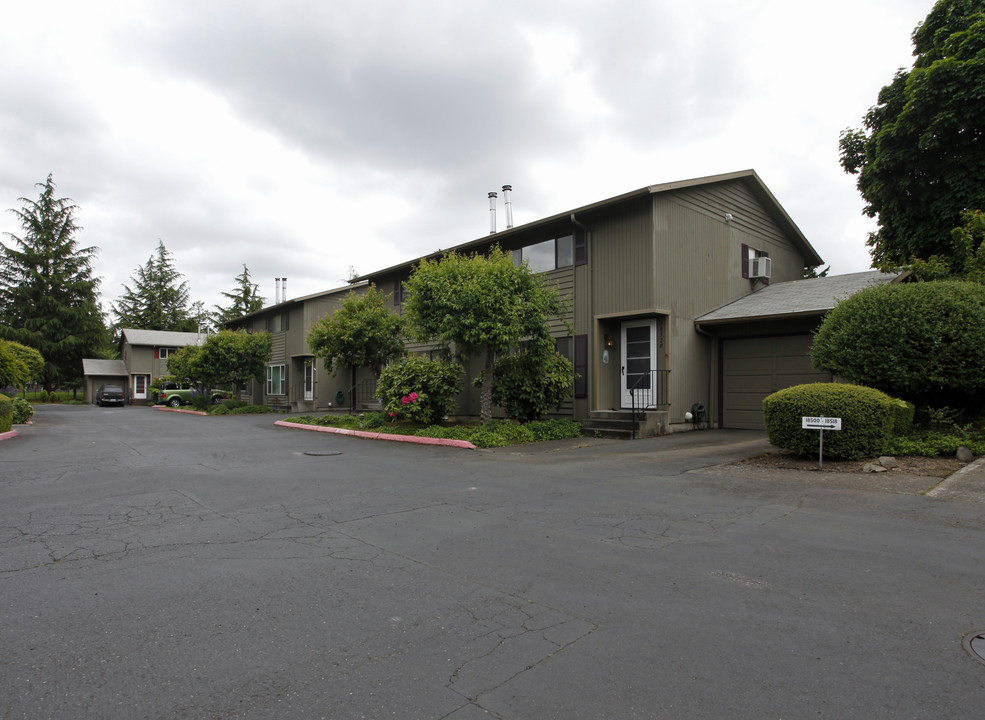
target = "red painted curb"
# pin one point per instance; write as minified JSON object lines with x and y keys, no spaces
{"x":7,"y":435}
{"x":180,"y":410}
{"x":447,"y":442}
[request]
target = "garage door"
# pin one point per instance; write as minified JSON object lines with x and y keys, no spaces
{"x":752,"y":368}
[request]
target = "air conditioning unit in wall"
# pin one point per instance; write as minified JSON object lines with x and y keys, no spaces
{"x":760,"y":267}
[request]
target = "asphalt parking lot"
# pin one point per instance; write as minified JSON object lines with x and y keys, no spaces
{"x":161,"y":565}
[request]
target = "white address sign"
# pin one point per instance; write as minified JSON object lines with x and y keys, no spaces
{"x":820,"y":423}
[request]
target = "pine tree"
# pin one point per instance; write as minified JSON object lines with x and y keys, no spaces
{"x":157,"y":300}
{"x":245,"y":299}
{"x":48,"y":295}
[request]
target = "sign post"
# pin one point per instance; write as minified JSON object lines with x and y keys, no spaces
{"x":822,"y":424}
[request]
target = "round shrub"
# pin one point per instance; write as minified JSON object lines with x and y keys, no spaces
{"x":6,"y":413}
{"x":867,"y":419}
{"x":921,"y":341}
{"x":528,"y":385}
{"x":23,"y":410}
{"x":419,"y":389}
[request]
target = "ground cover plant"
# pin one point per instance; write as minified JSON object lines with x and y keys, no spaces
{"x":492,"y":433}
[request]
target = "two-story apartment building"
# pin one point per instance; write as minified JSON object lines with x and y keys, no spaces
{"x":651,"y":277}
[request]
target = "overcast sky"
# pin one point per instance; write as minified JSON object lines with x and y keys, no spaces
{"x":303,"y":138}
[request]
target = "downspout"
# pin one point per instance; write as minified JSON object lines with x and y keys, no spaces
{"x":592,"y":398}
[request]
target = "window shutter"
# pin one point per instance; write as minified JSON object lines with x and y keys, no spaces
{"x":581,"y":247}
{"x":581,"y":366}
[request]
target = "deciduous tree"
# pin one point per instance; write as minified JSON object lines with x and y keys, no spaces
{"x":361,"y":333}
{"x":228,"y":358}
{"x":483,"y":305}
{"x":920,"y":156}
{"x":47,"y":290}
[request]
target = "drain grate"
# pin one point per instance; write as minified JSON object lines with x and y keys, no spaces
{"x":323,"y":454}
{"x":975,"y":645}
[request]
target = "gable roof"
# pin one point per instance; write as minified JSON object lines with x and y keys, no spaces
{"x":160,"y":338}
{"x":748,"y":177}
{"x":297,"y":301}
{"x":98,"y":366}
{"x":813,"y":296}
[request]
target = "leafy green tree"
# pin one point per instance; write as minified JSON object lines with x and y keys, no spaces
{"x":529,"y":384}
{"x":923,"y":342}
{"x":483,"y":305}
{"x":158,"y":299}
{"x":920,"y":157}
{"x":361,"y":333}
{"x":48,"y":295}
{"x":228,"y":358}
{"x":19,"y":364}
{"x":244,"y":299}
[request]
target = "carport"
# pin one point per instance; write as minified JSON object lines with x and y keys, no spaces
{"x":98,"y":372}
{"x":763,"y":340}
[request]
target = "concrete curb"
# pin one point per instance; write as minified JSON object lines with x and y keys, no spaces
{"x":180,"y":410}
{"x":7,"y":435}
{"x":971,"y":468}
{"x":379,"y":436}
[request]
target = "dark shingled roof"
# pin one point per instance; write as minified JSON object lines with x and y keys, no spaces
{"x":813,"y":296}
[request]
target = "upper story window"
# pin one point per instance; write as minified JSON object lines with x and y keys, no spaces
{"x":165,"y":352}
{"x":547,"y":255}
{"x":279,"y":322}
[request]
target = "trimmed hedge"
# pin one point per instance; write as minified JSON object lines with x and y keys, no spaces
{"x":6,"y":413}
{"x":869,"y":419}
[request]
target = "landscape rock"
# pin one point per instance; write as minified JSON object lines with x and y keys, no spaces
{"x":964,"y":454}
{"x":873,"y":468}
{"x":888,"y":462}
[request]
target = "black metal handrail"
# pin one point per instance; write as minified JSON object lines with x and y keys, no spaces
{"x":362,"y":391}
{"x":649,"y":392}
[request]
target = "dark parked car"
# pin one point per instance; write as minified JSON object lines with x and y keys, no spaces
{"x":110,"y":395}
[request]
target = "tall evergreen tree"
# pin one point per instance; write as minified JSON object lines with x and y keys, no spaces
{"x":245,"y":298}
{"x":158,"y":299}
{"x":47,"y":290}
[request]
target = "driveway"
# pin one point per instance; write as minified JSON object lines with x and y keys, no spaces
{"x":160,"y":565}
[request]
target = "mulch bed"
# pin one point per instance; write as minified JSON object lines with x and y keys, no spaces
{"x":939,"y":467}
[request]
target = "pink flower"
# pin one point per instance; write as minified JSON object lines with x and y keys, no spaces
{"x":405,"y":399}
{"x":413,"y":397}
{"x":393,"y":414}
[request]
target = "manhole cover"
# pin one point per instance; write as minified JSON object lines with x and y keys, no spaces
{"x":975,"y":645}
{"x":323,"y":454}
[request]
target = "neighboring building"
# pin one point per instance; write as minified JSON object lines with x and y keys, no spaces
{"x":144,"y":358}
{"x":293,"y":380}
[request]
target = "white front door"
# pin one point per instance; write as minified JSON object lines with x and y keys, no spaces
{"x":309,"y":380}
{"x":639,"y":359}
{"x":140,"y":383}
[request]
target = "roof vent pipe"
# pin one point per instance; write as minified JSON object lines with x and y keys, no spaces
{"x":283,"y":289}
{"x":492,"y":213}
{"x":507,"y":189}
{"x":276,"y":291}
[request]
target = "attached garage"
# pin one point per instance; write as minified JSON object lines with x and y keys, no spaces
{"x":763,"y":342}
{"x":753,"y":368}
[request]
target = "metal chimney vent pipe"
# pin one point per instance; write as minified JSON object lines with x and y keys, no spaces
{"x":507,"y":189}
{"x":492,"y":213}
{"x":276,"y":291}
{"x":283,"y":289}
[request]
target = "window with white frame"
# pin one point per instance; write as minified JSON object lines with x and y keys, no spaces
{"x":276,"y":380}
{"x":166,"y":352}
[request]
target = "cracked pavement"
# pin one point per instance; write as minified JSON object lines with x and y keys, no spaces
{"x":157,"y":565}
